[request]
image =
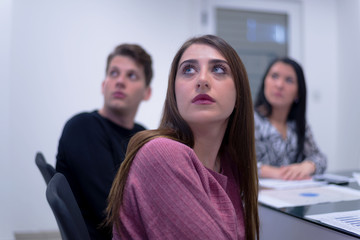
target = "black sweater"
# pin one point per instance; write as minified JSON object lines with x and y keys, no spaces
{"x":90,"y":151}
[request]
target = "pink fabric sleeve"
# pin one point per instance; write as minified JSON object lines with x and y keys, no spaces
{"x":169,"y":194}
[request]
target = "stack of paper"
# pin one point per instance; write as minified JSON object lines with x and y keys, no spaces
{"x":350,"y":221}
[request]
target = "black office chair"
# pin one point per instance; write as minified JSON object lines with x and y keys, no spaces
{"x":66,"y":210}
{"x":46,"y":169}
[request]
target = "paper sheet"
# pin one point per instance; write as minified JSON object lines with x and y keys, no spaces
{"x":288,"y":184}
{"x":316,"y":181}
{"x":357,"y":177}
{"x":307,"y":196}
{"x":350,"y":221}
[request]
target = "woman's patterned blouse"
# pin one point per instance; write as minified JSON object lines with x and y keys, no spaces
{"x":272,"y":149}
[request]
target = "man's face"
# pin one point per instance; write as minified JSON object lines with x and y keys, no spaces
{"x":124,"y":86}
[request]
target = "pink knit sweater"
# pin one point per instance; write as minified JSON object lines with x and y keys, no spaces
{"x":169,"y":194}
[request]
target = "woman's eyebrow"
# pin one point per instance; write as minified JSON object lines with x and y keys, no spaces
{"x":191,"y":61}
{"x":213,"y":61}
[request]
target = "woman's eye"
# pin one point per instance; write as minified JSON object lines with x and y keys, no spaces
{"x":189,"y":69}
{"x":290,"y":80}
{"x":219,"y":69}
{"x":274,"y":75}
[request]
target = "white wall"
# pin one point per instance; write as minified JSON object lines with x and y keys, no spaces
{"x":320,"y":43}
{"x":331,"y":50}
{"x":52,"y":58}
{"x":349,"y":85}
{"x":6,"y":175}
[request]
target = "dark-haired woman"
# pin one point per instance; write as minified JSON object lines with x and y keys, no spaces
{"x":195,"y":177}
{"x":285,"y":146}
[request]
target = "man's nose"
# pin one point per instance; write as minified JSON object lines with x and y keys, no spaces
{"x":121,"y":80}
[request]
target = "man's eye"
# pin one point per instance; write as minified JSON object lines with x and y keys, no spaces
{"x":113,"y":73}
{"x":132,"y":76}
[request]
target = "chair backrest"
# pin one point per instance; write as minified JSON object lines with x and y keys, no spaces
{"x":66,"y":210}
{"x":46,"y":169}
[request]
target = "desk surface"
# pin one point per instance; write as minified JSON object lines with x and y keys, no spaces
{"x":301,"y":211}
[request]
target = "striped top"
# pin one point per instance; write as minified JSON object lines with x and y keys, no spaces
{"x":170,"y":194}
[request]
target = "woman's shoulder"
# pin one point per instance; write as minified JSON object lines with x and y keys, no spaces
{"x":164,"y":144}
{"x":163,"y":147}
{"x":258,"y":117}
{"x":162,"y":154}
{"x":260,"y":121}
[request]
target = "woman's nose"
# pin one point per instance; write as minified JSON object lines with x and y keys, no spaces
{"x":203,"y":84}
{"x":203,"y":80}
{"x":279,"y":83}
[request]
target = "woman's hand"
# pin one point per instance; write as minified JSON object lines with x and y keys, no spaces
{"x":296,"y":171}
{"x":267,"y":171}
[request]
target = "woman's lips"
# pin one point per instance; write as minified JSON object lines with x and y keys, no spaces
{"x":278,"y":94}
{"x":202,"y":99}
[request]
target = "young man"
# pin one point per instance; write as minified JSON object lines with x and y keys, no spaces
{"x":93,"y":144}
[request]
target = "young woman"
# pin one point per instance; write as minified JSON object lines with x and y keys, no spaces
{"x":285,"y":147}
{"x":195,"y":177}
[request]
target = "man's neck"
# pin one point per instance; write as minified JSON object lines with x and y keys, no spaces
{"x":122,"y":120}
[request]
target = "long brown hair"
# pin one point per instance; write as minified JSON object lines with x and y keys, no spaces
{"x":238,"y":140}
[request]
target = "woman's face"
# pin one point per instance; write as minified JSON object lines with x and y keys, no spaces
{"x":281,"y":86}
{"x":204,"y":86}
